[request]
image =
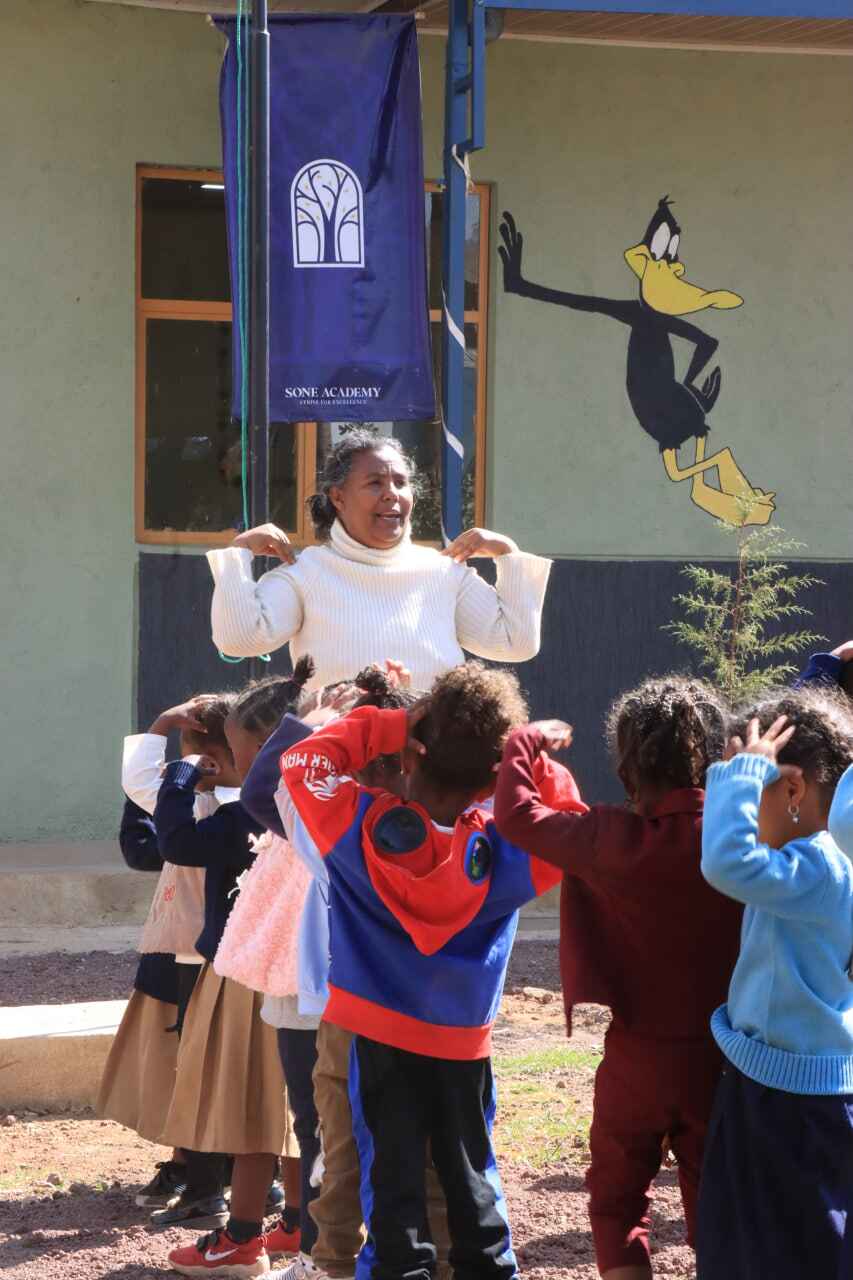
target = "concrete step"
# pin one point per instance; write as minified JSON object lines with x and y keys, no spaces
{"x":52,"y":1055}
{"x":71,"y":885}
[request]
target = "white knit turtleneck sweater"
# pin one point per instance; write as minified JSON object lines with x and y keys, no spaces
{"x":348,"y":605}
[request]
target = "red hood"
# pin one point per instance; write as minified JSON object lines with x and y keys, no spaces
{"x":428,"y":889}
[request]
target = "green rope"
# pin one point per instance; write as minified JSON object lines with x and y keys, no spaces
{"x":242,"y":310}
{"x":243,"y":246}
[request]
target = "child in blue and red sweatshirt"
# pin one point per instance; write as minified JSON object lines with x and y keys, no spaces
{"x":424,"y":898}
{"x":642,"y":932}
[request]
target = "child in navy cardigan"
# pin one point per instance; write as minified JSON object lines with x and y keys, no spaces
{"x":424,"y":898}
{"x":229,"y":1091}
{"x":777,"y":1183}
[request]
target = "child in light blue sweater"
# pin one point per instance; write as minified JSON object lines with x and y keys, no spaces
{"x":777,"y":1182}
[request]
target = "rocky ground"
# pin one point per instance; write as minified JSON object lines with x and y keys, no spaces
{"x":67,"y":1182}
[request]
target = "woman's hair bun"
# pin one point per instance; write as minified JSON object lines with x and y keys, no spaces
{"x":303,"y":671}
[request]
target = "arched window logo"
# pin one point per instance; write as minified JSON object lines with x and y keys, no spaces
{"x":327,"y":216}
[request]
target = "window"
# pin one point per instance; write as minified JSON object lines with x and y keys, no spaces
{"x":188,"y":487}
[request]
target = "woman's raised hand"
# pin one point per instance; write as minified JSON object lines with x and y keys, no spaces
{"x":479,"y":543}
{"x":267,"y":540}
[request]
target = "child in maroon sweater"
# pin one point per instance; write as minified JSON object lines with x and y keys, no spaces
{"x":642,"y":932}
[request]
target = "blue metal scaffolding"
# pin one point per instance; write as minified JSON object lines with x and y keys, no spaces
{"x":464,"y":132}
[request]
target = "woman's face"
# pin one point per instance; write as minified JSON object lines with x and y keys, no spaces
{"x":374,"y":504}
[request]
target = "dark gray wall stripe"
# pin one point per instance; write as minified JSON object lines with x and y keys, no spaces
{"x":601,"y":633}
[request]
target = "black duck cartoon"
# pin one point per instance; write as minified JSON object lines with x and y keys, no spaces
{"x":671,"y":412}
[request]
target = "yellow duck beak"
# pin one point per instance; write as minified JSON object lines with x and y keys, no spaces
{"x":664,"y":289}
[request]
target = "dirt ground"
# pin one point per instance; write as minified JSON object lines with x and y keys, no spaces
{"x":67,"y":1182}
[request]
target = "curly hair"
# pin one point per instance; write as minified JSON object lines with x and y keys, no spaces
{"x":212,"y":711}
{"x":822,"y":744}
{"x":667,"y":732}
{"x":472,"y":710}
{"x":337,"y":467}
{"x":380,"y":692}
{"x":262,"y":703}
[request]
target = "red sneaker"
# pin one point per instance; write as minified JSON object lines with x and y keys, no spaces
{"x":218,"y":1255}
{"x":279,"y":1240}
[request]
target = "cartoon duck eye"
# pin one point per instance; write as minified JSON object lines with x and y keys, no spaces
{"x":672,"y":251}
{"x":660,"y":242}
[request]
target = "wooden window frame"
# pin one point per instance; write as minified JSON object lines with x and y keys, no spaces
{"x":306,"y":432}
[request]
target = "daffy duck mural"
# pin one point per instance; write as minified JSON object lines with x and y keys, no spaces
{"x":672,"y":412}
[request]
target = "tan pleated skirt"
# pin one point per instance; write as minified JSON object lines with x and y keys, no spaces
{"x":229,"y":1092}
{"x":139,"y":1074}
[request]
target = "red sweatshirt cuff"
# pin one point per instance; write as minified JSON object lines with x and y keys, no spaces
{"x":391,"y":729}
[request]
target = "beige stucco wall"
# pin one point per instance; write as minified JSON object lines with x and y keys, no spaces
{"x":582,"y":142}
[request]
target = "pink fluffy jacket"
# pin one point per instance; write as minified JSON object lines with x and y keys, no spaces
{"x":259,"y":945}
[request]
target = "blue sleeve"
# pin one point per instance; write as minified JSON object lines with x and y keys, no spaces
{"x":790,"y":882}
{"x":257,"y":794}
{"x":222,"y":840}
{"x":822,"y":668}
{"x":841,"y":814}
{"x":137,"y":839}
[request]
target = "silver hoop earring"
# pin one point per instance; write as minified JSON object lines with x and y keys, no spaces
{"x":794,"y":812}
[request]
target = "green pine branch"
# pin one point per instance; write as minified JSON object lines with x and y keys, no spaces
{"x":726,"y":616}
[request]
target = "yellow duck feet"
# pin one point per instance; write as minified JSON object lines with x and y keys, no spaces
{"x":736,"y":501}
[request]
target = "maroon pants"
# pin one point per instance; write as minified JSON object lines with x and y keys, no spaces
{"x":646,"y":1091}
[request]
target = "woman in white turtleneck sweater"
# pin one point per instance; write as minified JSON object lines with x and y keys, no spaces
{"x":367,"y":592}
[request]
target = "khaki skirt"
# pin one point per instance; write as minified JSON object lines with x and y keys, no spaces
{"x":139,"y":1074}
{"x":229,"y":1092}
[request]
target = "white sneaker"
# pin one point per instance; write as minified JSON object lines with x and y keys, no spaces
{"x":301,"y":1268}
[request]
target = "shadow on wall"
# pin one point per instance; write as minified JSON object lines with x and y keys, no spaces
{"x":601,"y":633}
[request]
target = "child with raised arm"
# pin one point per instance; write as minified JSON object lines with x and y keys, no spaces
{"x":642,"y":932}
{"x":777,"y":1183}
{"x":424,"y":901}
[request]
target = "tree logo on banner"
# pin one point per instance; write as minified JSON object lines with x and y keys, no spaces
{"x":327,"y":216}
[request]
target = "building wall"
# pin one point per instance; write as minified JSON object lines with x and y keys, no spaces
{"x":87,"y":91}
{"x":754,"y":151}
{"x":582,"y":143}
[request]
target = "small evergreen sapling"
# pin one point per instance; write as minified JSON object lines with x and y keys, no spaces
{"x":735,"y":623}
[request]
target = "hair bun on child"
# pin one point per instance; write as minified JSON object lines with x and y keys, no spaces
{"x":303,"y":671}
{"x":374,"y":680}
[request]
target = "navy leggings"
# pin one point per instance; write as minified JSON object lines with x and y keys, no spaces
{"x":776,"y":1192}
{"x":298,"y":1053}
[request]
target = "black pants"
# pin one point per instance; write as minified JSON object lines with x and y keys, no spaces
{"x":298,"y":1052}
{"x":776,"y":1194}
{"x":400,"y":1103}
{"x":208,"y":1172}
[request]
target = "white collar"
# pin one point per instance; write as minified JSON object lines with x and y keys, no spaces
{"x":350,"y":549}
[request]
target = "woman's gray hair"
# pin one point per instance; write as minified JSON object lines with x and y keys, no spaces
{"x":337,"y":467}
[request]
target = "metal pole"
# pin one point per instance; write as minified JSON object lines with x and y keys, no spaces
{"x":453,"y":263}
{"x":259,"y":256}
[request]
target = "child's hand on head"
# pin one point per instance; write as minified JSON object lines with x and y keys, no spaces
{"x":844,"y":652}
{"x":399,"y":675}
{"x":767,"y":744}
{"x":414,"y":716}
{"x":183,"y":717}
{"x":557,"y":734}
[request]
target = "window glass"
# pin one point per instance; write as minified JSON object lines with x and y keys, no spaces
{"x":192,"y":447}
{"x":422,"y":440}
{"x":434,"y":231}
{"x":184,"y":251}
